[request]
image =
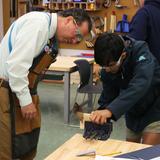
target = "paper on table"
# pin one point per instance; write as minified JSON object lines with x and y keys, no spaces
{"x":109,"y":158}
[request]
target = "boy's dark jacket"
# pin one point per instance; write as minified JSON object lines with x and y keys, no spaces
{"x":135,"y":89}
{"x":145,"y":26}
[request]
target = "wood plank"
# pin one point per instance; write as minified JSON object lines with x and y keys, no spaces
{"x":77,"y":143}
{"x":6,"y":15}
{"x":65,"y":63}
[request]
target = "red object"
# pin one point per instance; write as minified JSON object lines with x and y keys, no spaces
{"x":113,"y":12}
{"x":87,"y":54}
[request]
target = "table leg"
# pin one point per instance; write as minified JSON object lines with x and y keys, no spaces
{"x":66,"y":97}
{"x":90,"y":96}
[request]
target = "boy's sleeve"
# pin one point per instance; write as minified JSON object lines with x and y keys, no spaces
{"x":110,"y":91}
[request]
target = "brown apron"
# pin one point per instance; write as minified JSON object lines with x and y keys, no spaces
{"x":22,"y":126}
{"x":25,"y":133}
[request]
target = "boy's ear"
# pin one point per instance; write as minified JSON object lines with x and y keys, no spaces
{"x":124,"y":54}
{"x":122,"y":57}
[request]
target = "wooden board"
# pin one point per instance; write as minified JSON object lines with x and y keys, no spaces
{"x":77,"y":144}
{"x":6,"y":15}
{"x":65,"y":63}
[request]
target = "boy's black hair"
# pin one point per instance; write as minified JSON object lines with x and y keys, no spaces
{"x":78,"y":14}
{"x":108,"y":47}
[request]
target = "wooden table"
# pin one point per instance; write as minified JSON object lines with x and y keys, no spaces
{"x":77,"y":143}
{"x":65,"y":65}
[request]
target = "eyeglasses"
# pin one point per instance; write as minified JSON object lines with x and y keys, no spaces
{"x":114,"y":67}
{"x":78,"y":33}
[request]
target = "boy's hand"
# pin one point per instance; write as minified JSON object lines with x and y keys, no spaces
{"x":100,"y":116}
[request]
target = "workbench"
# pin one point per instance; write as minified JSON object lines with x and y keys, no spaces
{"x":77,"y":143}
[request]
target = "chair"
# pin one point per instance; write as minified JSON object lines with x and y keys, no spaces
{"x":85,"y":85}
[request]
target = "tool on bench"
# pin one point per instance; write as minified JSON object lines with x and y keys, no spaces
{"x":92,"y":130}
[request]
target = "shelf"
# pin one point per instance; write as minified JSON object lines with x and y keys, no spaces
{"x":89,"y":6}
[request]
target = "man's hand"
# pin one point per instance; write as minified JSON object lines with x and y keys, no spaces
{"x":29,"y":111}
{"x":100,"y":116}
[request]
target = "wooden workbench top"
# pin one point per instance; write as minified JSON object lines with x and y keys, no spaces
{"x":77,"y":143}
{"x":65,"y":63}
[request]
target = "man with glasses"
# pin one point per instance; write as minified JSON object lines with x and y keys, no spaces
{"x":75,"y":27}
{"x":131,"y":85}
{"x":23,"y":49}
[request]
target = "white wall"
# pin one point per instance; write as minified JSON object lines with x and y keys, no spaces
{"x":1,"y":19}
